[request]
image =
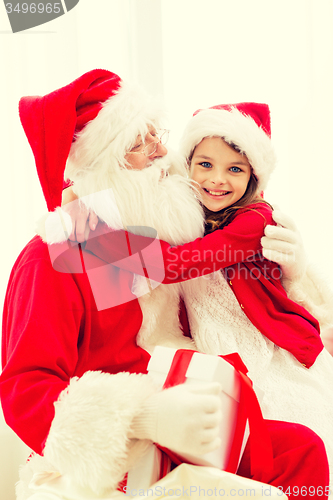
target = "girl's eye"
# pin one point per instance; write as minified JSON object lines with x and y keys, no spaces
{"x":235,"y":169}
{"x":206,"y":164}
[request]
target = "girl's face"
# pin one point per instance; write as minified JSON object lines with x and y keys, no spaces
{"x":221,"y":172}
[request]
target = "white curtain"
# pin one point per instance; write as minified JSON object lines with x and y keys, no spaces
{"x":194,"y":53}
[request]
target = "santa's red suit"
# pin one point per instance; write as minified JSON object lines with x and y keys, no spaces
{"x":73,"y":375}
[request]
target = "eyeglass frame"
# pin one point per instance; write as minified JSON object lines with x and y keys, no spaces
{"x":156,"y":143}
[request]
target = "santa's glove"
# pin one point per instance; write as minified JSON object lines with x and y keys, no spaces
{"x":283,"y":244}
{"x":184,"y":418}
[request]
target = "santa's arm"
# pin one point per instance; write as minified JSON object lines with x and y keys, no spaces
{"x":80,"y":424}
{"x":89,"y":436}
{"x":304,"y":284}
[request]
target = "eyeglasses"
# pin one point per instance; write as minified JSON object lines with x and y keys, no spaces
{"x":162,"y":137}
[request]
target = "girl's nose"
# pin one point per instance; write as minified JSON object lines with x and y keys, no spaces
{"x":218,"y":178}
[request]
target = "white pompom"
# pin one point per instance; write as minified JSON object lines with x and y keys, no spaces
{"x":54,"y":227}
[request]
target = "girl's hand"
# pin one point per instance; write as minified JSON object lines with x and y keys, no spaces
{"x":82,"y":220}
{"x":283,"y":244}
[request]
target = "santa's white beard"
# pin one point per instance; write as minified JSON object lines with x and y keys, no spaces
{"x":136,"y":198}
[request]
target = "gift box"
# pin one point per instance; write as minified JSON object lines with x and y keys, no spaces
{"x":146,"y":471}
{"x":204,"y":368}
{"x":240,"y":409}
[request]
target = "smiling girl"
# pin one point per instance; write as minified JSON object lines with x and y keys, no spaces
{"x":244,"y":308}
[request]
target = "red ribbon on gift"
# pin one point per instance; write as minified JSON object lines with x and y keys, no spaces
{"x":261,"y":453}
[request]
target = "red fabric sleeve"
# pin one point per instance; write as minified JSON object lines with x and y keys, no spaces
{"x":238,"y":242}
{"x":41,"y":324}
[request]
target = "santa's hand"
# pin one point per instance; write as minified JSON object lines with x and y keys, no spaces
{"x":82,"y":219}
{"x":283,"y":244}
{"x":185,"y":418}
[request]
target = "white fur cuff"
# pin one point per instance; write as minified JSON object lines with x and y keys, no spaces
{"x":88,"y":438}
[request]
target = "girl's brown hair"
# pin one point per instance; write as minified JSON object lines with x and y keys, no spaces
{"x":218,"y":220}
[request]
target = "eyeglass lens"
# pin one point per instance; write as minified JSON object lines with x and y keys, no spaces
{"x":152,"y":147}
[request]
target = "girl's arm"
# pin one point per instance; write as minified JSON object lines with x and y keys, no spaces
{"x":161,"y":262}
{"x":281,"y":244}
{"x":83,"y":220}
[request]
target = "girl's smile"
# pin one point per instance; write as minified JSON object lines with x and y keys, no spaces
{"x":217,"y":193}
{"x":221,"y":172}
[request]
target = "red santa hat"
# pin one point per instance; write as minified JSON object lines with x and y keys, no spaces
{"x":81,"y":120}
{"x":246,"y":125}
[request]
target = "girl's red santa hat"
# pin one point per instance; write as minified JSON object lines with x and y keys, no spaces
{"x":87,"y":125}
{"x":246,"y":125}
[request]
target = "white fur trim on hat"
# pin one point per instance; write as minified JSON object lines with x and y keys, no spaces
{"x":235,"y":128}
